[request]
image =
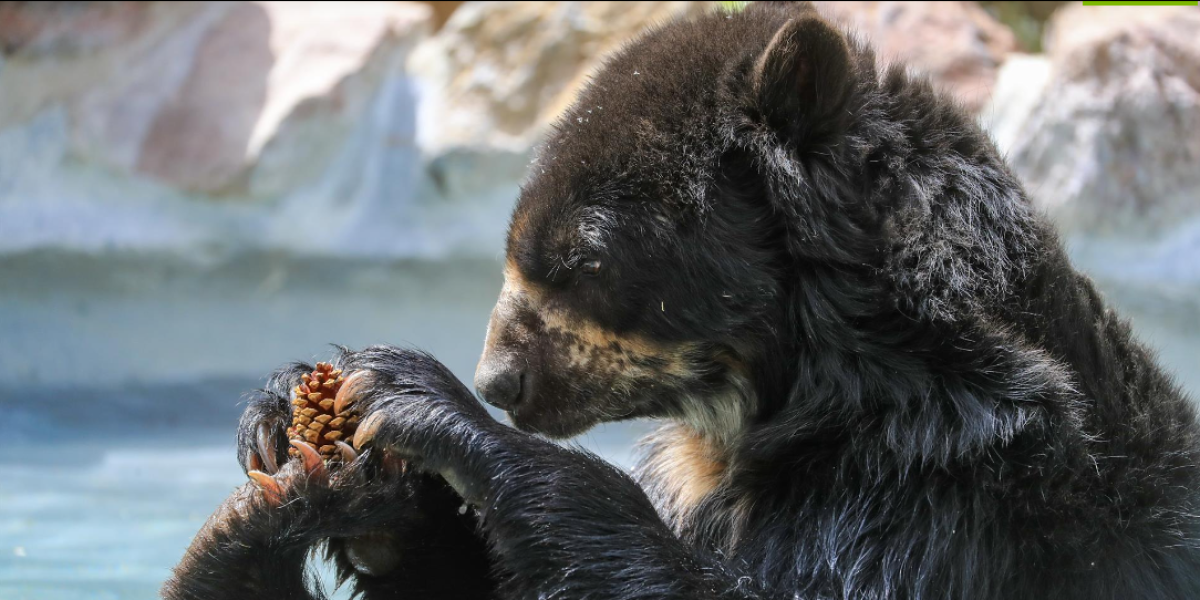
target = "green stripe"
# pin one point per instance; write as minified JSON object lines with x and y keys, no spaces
{"x":1179,"y":3}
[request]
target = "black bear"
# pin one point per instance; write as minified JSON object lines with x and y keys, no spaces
{"x":879,"y":375}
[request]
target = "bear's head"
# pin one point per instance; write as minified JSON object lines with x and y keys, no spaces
{"x":708,"y":177}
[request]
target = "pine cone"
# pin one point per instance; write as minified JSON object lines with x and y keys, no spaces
{"x":314,"y":420}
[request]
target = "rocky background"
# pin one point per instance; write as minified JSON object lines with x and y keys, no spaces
{"x":192,"y":193}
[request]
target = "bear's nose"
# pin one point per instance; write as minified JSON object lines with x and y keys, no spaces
{"x":499,"y":383}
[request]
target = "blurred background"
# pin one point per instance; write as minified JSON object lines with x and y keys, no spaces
{"x":193,"y":193}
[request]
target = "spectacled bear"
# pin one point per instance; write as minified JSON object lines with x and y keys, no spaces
{"x":879,"y":376}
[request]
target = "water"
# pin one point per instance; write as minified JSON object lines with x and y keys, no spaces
{"x":102,"y":520}
{"x":109,"y":519}
{"x":124,"y":383}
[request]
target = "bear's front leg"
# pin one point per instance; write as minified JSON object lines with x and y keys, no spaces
{"x":371,"y":516}
{"x":391,"y":531}
{"x":560,"y":523}
{"x":257,"y":542}
{"x":415,"y":409}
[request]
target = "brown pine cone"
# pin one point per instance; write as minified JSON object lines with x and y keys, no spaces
{"x":314,"y":420}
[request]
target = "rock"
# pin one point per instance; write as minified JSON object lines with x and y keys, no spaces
{"x":216,"y":98}
{"x":56,"y":55}
{"x":197,"y":136}
{"x":279,"y":110}
{"x":1026,"y":19}
{"x":239,"y":80}
{"x":957,"y":44}
{"x":33,"y":29}
{"x":333,"y":60}
{"x":1020,"y":88}
{"x":1111,"y":146}
{"x":500,"y":71}
{"x":442,"y":10}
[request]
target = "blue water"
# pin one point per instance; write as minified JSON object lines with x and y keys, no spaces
{"x":108,"y":519}
{"x":103,"y":521}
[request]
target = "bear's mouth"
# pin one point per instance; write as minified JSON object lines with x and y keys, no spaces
{"x":555,"y":411}
{"x":552,"y":424}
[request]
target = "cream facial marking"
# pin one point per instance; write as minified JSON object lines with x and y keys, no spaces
{"x":581,"y":342}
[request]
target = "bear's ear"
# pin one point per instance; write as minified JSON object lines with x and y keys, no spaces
{"x":803,"y":78}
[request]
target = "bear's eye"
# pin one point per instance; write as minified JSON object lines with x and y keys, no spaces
{"x":590,"y":267}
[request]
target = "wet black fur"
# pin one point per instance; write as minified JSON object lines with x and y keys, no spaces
{"x":251,"y":550}
{"x":942,"y":407}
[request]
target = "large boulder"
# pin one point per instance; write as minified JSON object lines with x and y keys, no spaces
{"x":208,"y":127}
{"x":220,"y":98}
{"x":1106,"y":140}
{"x":245,"y":97}
{"x":957,"y":44}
